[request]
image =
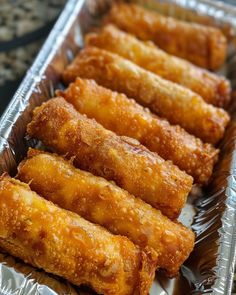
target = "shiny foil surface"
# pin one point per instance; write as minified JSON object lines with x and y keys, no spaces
{"x":210,"y":211}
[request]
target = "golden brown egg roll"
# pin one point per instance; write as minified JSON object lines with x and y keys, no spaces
{"x":204,"y":46}
{"x":121,"y":159}
{"x":104,"y":203}
{"x":174,"y":102}
{"x":125,"y":117}
{"x":65,"y":244}
{"x":213,"y":89}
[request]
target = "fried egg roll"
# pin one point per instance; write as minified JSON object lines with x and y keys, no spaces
{"x":213,"y":89}
{"x":204,"y":46}
{"x":104,"y":203}
{"x":174,"y":102}
{"x":121,"y":159}
{"x":65,"y":244}
{"x":125,"y":117}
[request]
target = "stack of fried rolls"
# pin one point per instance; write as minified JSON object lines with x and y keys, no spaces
{"x":124,"y":116}
{"x":102,"y":210}
{"x":174,"y":102}
{"x":212,"y":88}
{"x":121,"y":159}
{"x":65,"y":244}
{"x":202,"y":45}
{"x":104,"y":203}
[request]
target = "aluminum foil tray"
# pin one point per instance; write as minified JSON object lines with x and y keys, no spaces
{"x":211,"y":211}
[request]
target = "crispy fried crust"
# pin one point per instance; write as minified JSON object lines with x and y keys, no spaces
{"x":65,"y":244}
{"x":102,"y":152}
{"x":102,"y":202}
{"x":177,"y":104}
{"x":203,"y":45}
{"x":213,"y":89}
{"x":125,"y":117}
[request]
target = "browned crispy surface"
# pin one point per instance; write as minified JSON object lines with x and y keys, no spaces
{"x":102,"y":152}
{"x":177,"y":104}
{"x":65,"y":244}
{"x":125,"y":117}
{"x":213,"y":89}
{"x":203,"y":45}
{"x":104,"y":203}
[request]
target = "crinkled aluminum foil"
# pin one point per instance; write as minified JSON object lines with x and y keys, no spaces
{"x":212,"y":212}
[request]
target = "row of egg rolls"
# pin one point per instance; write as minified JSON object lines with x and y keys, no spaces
{"x":202,"y":45}
{"x":125,"y":117}
{"x":65,"y":244}
{"x":104,"y":203}
{"x":212,"y":88}
{"x":121,"y":159}
{"x":68,"y":244}
{"x":174,"y":102}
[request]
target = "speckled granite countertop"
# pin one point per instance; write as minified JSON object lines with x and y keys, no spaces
{"x":24,"y":25}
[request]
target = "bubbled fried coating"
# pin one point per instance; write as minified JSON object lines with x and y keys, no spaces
{"x":124,"y":116}
{"x":104,"y":203}
{"x":202,"y":45}
{"x":121,"y":159}
{"x":214,"y":89}
{"x":63,"y":243}
{"x":169,"y":100}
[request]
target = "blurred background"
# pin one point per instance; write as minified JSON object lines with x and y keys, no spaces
{"x":24,"y":25}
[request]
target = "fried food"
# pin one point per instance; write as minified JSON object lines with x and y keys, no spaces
{"x":104,"y":203}
{"x":125,"y":117}
{"x":202,"y":45}
{"x":177,"y":104}
{"x":213,"y":89}
{"x":121,"y":159}
{"x":65,"y":244}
